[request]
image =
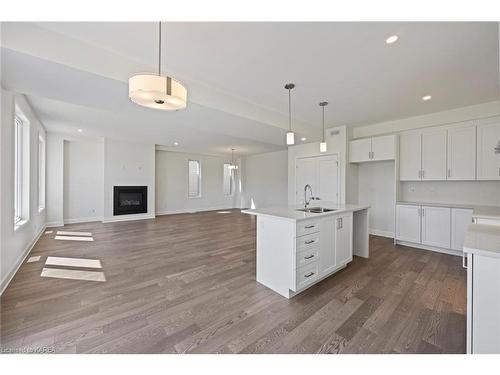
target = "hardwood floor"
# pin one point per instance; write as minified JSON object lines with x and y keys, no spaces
{"x":186,"y":284}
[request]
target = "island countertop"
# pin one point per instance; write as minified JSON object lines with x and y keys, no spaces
{"x":290,"y":212}
{"x":483,"y":240}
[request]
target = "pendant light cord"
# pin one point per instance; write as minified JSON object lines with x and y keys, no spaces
{"x":290,"y":109}
{"x":159,"y":48}
{"x":323,"y":123}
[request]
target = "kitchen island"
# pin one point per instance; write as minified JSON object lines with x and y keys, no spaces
{"x":297,"y":249}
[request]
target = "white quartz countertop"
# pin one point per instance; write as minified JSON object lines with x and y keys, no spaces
{"x":291,"y":213}
{"x":483,"y":240}
{"x":478,"y":211}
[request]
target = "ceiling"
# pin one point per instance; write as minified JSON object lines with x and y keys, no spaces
{"x":75,"y":76}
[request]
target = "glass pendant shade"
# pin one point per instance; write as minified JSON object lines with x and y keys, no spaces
{"x":323,"y":147}
{"x":158,"y":92}
{"x":290,"y":138}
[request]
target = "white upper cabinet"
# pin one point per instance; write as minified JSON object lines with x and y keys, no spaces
{"x":488,"y":162}
{"x":360,"y":150}
{"x":372,"y":149}
{"x":436,"y":225}
{"x":433,"y":155}
{"x":410,"y":156}
{"x":462,"y":153}
{"x":383,"y":148}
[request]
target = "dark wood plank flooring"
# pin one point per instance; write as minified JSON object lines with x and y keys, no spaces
{"x":186,"y":284}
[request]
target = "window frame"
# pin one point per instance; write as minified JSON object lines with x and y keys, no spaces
{"x":42,"y":165}
{"x":199,"y":179}
{"x":231,"y":180}
{"x":18,"y":169}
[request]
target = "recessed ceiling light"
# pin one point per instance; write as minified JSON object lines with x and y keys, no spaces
{"x":303,"y":139}
{"x":392,"y":39}
{"x":176,"y":143}
{"x":79,"y":130}
{"x":426,"y":97}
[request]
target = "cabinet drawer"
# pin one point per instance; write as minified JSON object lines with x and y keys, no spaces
{"x":307,"y":256}
{"x":307,"y":242}
{"x":306,"y":275}
{"x":307,"y":227}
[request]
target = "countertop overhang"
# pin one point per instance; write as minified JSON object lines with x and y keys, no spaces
{"x":482,"y":239}
{"x":290,"y":213}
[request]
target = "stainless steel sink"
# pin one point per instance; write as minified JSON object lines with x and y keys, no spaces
{"x":316,"y":210}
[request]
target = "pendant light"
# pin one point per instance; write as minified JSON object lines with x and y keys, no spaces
{"x":290,"y":135}
{"x":322,"y":145}
{"x":232,"y":166}
{"x":157,"y":91}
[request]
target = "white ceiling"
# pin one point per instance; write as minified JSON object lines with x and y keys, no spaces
{"x":75,"y":75}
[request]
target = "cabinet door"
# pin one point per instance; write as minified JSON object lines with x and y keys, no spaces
{"x":408,"y":223}
{"x":488,"y":163}
{"x":360,"y":150}
{"x":460,"y":220}
{"x":436,"y":226}
{"x":485,"y":305}
{"x":327,"y":260}
{"x":410,"y":155}
{"x":462,"y":153}
{"x":343,"y":239}
{"x":383,"y":148}
{"x":328,"y":179}
{"x":434,"y":155}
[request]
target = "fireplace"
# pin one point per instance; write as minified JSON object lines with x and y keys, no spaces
{"x":130,"y":200}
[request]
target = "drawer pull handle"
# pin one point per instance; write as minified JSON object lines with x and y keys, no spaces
{"x":308,"y":275}
{"x":309,"y":242}
{"x":310,"y":226}
{"x":309,"y":256}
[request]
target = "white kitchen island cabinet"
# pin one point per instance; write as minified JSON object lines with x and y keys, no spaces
{"x":295,"y":250}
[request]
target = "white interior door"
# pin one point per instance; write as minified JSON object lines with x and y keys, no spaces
{"x":410,"y":156}
{"x":434,"y":155}
{"x":306,"y":173}
{"x":328,"y":178}
{"x":436,"y":226}
{"x":462,"y":153}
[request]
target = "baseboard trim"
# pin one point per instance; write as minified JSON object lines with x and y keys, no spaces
{"x":192,"y":210}
{"x":381,"y":233}
{"x":127,"y":218}
{"x":10,"y":275}
{"x":55,"y":224}
{"x":82,"y":220}
{"x":431,"y":248}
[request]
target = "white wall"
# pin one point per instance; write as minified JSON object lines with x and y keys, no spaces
{"x":471,"y":192}
{"x":55,"y":180}
{"x":266,"y":180}
{"x":172,"y":178}
{"x":83,"y":181}
{"x":376,"y":188}
{"x":16,"y":243}
{"x":130,"y":164}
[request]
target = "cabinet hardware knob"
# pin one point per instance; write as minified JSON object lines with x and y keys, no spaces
{"x":309,"y":275}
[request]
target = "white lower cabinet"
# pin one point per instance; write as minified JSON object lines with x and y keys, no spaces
{"x":343,"y":239}
{"x":460,"y":220}
{"x":408,"y":223}
{"x":436,"y":226}
{"x":432,"y":226}
{"x":483,"y":304}
{"x":327,"y":248}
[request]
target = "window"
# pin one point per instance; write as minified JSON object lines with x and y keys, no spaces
{"x":228,"y":180}
{"x":21,"y":170}
{"x":41,"y":173}
{"x":194,"y":179}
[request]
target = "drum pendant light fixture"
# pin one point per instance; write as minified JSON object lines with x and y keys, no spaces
{"x":157,"y":91}
{"x":322,"y":145}
{"x":290,"y":135}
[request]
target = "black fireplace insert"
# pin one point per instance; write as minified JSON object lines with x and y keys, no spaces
{"x":130,"y":200}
